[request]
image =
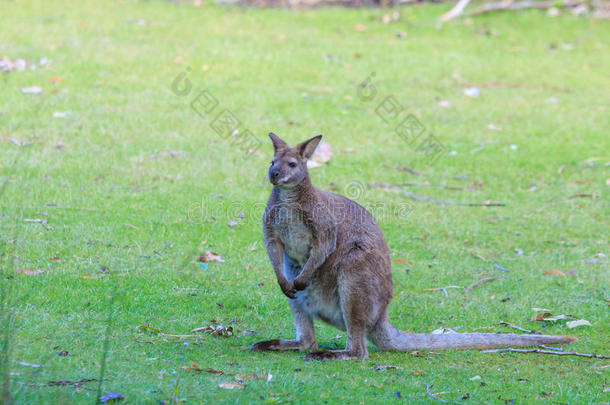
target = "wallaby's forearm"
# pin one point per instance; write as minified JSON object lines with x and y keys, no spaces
{"x":317,"y":256}
{"x":275,"y":251}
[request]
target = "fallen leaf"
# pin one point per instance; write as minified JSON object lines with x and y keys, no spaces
{"x":472,"y":92}
{"x":442,"y":331}
{"x":31,"y":90}
{"x":554,"y":273}
{"x":497,"y":266}
{"x":245,"y":377}
{"x":23,"y":363}
{"x":386,"y":367}
{"x":418,"y":372}
{"x":403,"y":261}
{"x":209,"y":256}
{"x":215,"y":330}
{"x":556,"y":318}
{"x":111,"y":396}
{"x":540,"y":317}
{"x":28,"y":272}
{"x":56,"y":79}
{"x":193,"y":367}
{"x":582,"y":195}
{"x":213,"y":371}
{"x":360,"y":27}
{"x":444,"y":103}
{"x":232,"y":386}
{"x":149,"y":328}
{"x":580,"y":322}
{"x":247,"y":332}
{"x":55,"y":259}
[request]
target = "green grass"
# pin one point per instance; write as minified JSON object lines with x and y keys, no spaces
{"x":111,"y":196}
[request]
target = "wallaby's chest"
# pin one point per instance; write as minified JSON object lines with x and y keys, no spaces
{"x":289,"y":225}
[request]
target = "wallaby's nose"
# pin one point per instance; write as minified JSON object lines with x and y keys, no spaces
{"x":274,"y":173}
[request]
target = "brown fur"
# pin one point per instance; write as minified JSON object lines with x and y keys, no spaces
{"x":331,"y":260}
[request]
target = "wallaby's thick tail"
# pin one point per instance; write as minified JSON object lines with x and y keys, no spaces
{"x":387,"y":337}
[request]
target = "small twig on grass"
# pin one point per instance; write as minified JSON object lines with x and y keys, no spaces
{"x":468,"y":289}
{"x":416,"y":185}
{"x":431,"y":395}
{"x":63,"y":383}
{"x":414,"y":196}
{"x":557,"y":349}
{"x":509,"y":5}
{"x":443,"y":289}
{"x":556,"y":353}
{"x":510,"y":325}
{"x":406,"y":169}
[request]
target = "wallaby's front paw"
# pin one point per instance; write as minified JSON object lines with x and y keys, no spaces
{"x":300,"y":285}
{"x":288,"y":289}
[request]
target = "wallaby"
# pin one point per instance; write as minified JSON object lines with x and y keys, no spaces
{"x":332,"y":262}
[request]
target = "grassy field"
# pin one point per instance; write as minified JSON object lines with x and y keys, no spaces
{"x":112,"y":185}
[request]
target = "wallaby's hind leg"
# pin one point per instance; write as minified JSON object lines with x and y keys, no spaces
{"x":305,"y":339}
{"x":353,"y":306}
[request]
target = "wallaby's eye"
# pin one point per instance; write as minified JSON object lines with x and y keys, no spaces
{"x":292,"y":164}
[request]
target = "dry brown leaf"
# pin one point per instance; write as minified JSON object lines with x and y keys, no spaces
{"x":403,"y":261}
{"x":194,"y":367}
{"x":149,"y":328}
{"x":245,"y":377}
{"x":209,"y":256}
{"x":28,"y":272}
{"x":540,"y":317}
{"x":583,"y":195}
{"x":554,"y":272}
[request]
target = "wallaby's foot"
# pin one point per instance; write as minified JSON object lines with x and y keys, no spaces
{"x":279,"y":345}
{"x":335,"y":355}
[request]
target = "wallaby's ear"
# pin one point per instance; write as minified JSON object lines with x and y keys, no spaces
{"x":278,"y":143}
{"x":307,"y":148}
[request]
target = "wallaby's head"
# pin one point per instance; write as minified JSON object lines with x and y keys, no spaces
{"x":289,"y":165}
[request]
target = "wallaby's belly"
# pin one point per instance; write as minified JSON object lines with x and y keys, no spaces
{"x":315,"y":300}
{"x":321,"y":306}
{"x":296,"y":238}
